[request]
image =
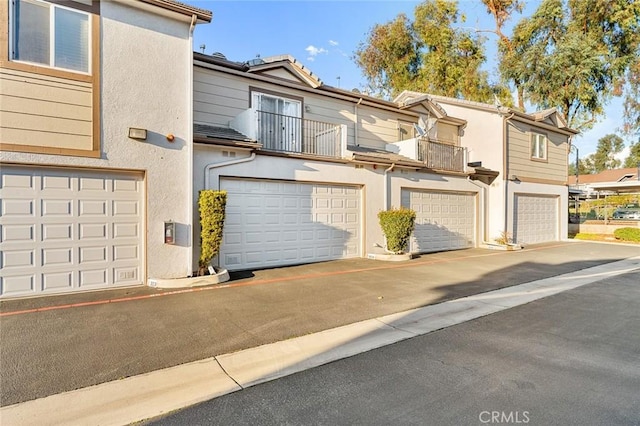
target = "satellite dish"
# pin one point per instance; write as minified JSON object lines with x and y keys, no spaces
{"x":419,"y":130}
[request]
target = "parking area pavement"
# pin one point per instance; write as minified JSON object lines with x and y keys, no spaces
{"x":56,"y":344}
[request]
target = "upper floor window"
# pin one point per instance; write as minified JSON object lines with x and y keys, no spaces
{"x":50,"y":35}
{"x":406,"y":130}
{"x":538,"y":146}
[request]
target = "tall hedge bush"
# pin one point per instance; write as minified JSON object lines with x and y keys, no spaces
{"x":397,"y":226}
{"x":212,"y":205}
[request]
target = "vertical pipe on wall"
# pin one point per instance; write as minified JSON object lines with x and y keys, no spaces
{"x":189,"y":145}
{"x":505,"y":167}
{"x":386,"y":186}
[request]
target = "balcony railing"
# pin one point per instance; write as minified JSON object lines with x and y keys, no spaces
{"x":284,"y":133}
{"x":441,"y":156}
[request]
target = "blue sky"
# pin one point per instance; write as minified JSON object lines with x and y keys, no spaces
{"x":323,"y":35}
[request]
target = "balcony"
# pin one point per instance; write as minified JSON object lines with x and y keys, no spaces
{"x":284,"y":133}
{"x":435,"y":155}
{"x":442,"y":156}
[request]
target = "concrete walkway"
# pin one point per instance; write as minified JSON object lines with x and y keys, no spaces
{"x":152,"y":394}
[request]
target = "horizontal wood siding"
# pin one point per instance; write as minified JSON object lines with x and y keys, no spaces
{"x":519,"y":154}
{"x":378,"y":127}
{"x":44,"y":111}
{"x":220,"y":97}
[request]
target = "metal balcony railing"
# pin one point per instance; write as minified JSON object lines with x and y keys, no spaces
{"x":441,"y":156}
{"x":284,"y":133}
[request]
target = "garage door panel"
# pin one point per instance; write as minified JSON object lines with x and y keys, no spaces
{"x":304,"y":223}
{"x":444,"y":221}
{"x":73,"y":221}
{"x":535,"y":218}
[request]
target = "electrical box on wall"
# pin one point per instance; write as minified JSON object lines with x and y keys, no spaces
{"x":170,"y":232}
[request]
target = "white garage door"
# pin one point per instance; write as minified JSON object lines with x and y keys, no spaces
{"x":272,"y":223}
{"x":69,"y":230}
{"x":535,"y":219}
{"x":444,"y":220}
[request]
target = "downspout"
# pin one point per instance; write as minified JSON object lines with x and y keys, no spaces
{"x":386,"y":186}
{"x":212,"y":166}
{"x":189,"y":142}
{"x":505,"y":148}
{"x":355,"y":113}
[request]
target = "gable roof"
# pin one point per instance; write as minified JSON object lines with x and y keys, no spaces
{"x":606,"y":176}
{"x":548,"y":117}
{"x":287,"y":62}
{"x":302,"y":77}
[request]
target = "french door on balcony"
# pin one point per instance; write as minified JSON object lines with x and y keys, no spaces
{"x":279,"y":122}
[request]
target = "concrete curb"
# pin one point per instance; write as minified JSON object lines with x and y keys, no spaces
{"x":159,"y":392}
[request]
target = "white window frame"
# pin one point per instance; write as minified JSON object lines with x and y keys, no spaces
{"x":50,"y":65}
{"x":538,"y":146}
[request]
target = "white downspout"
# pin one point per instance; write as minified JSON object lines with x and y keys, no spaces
{"x":505,"y":146}
{"x":189,"y":143}
{"x":211,"y":166}
{"x":386,"y":186}
{"x":355,"y":113}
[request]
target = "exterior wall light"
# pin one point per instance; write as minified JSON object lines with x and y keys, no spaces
{"x":139,"y":134}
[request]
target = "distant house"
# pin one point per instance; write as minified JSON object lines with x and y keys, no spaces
{"x":95,"y":143}
{"x":606,"y":182}
{"x":530,"y":199}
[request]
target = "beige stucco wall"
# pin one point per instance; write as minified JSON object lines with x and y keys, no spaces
{"x":146,"y":67}
{"x":370,"y":179}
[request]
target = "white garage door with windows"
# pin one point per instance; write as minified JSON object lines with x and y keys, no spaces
{"x":69,"y":230}
{"x":444,"y":220}
{"x":535,"y":218}
{"x":272,"y":223}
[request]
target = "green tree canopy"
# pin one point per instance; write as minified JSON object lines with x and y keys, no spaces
{"x":573,"y":55}
{"x":429,"y":54}
{"x":585,"y":167}
{"x":605,"y":155}
{"x":633,"y":159}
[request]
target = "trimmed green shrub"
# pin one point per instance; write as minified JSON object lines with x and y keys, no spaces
{"x":397,"y":226}
{"x":212,"y":205}
{"x":627,"y":234}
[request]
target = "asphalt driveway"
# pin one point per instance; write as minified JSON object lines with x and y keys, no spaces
{"x":61,"y":343}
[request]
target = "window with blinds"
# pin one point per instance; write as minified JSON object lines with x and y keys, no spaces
{"x":51,"y":35}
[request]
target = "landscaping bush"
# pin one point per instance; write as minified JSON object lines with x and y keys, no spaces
{"x":627,"y":234}
{"x":212,"y":206}
{"x":397,"y":226}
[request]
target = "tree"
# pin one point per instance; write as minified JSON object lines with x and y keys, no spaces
{"x":390,"y":60}
{"x":605,"y":155}
{"x":631,"y":113}
{"x":633,"y":159}
{"x":571,"y":54}
{"x":585,"y":167}
{"x":429,"y":54}
{"x":501,"y":10}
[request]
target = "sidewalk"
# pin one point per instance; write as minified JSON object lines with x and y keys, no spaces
{"x":315,"y":313}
